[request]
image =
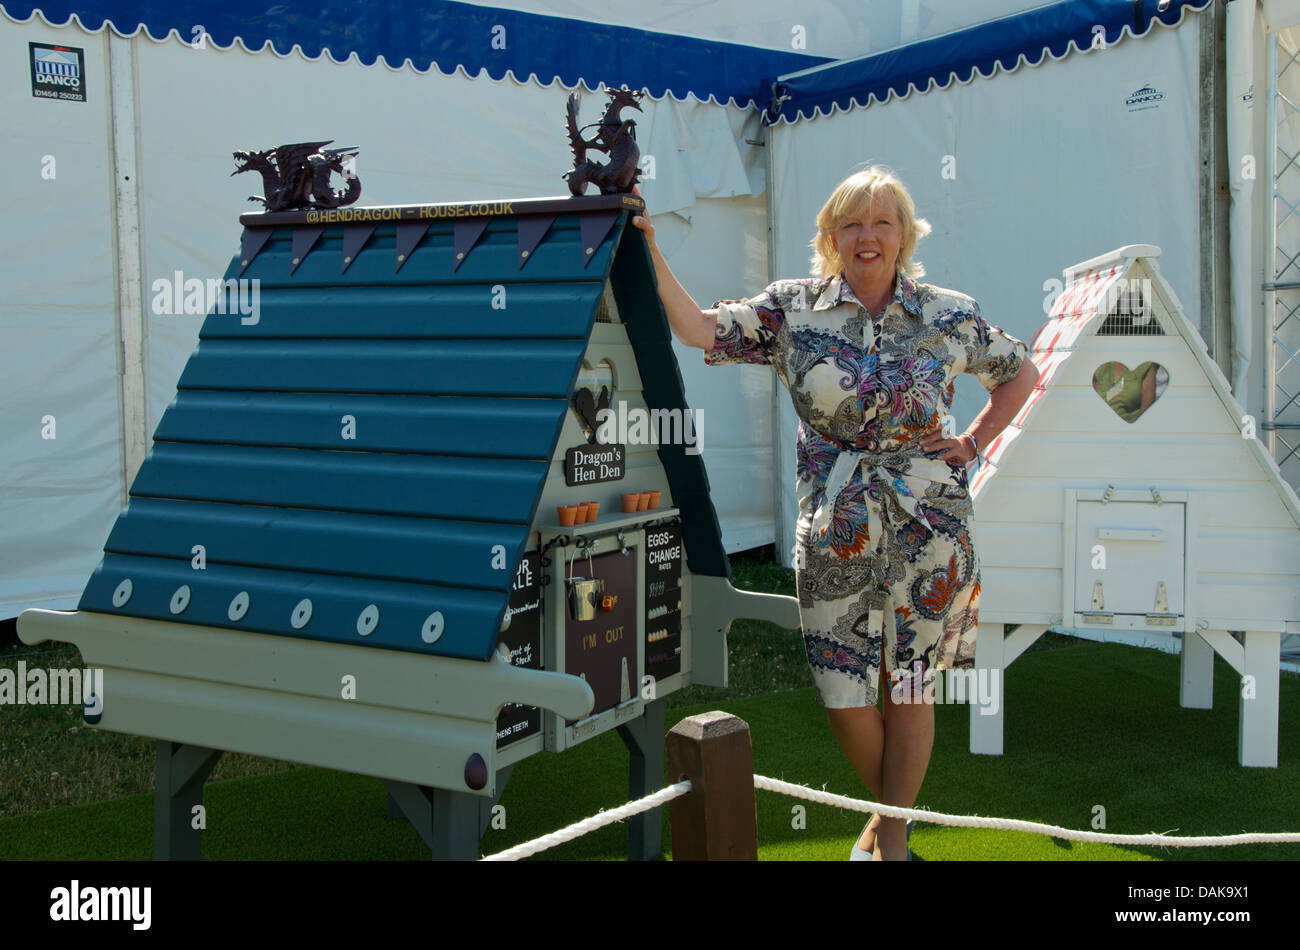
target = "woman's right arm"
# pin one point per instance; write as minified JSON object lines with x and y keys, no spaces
{"x":690,"y":324}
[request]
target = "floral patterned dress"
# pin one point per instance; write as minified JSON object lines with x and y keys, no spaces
{"x":884,"y":559}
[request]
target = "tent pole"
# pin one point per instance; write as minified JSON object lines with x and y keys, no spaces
{"x":127,"y":259}
{"x":1270,"y":249}
{"x":1215,"y":196}
{"x":783,"y":535}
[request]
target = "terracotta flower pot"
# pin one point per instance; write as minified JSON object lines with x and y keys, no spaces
{"x":630,"y":499}
{"x":592,"y":508}
{"x":581,"y":517}
{"x":643,"y":502}
{"x":654,"y":499}
{"x":567,"y":513}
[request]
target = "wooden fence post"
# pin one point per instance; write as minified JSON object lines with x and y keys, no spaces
{"x":718,"y":820}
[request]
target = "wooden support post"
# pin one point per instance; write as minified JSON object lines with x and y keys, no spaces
{"x":450,"y":823}
{"x":718,"y":820}
{"x":1258,"y":706}
{"x":1196,"y":666}
{"x":179,"y":773}
{"x":643,"y":737}
{"x":990,"y":654}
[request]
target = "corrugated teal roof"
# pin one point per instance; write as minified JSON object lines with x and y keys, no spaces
{"x":455,"y":404}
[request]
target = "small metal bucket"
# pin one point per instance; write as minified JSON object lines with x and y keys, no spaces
{"x":583,"y":593}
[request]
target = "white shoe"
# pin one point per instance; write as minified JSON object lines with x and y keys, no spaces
{"x":857,"y":854}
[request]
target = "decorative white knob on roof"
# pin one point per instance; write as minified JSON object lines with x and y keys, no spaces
{"x":368,"y":620}
{"x":238,"y":606}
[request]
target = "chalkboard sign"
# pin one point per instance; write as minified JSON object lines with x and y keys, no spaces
{"x":663,"y":600}
{"x":524,"y":640}
{"x":603,"y":650}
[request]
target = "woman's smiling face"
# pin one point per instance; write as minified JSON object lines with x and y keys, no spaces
{"x":868,"y":246}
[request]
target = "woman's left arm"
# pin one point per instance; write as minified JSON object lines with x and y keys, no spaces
{"x":1004,"y":402}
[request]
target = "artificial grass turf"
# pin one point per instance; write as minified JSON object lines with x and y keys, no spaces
{"x":1087,"y":725}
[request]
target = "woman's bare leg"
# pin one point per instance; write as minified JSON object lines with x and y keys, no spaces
{"x":909,"y":740}
{"x":890,"y":753}
{"x":861,"y":735}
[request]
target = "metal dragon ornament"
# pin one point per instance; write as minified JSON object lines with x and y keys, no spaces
{"x":617,"y":138}
{"x":297,"y":177}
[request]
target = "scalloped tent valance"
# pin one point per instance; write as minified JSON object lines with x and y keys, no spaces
{"x":1057,"y":30}
{"x":451,"y":35}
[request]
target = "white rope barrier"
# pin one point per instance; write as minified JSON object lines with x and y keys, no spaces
{"x":665,"y":795}
{"x":599,"y":820}
{"x":1013,"y":824}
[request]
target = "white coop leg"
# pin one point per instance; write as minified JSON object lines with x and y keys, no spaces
{"x":986,"y":730}
{"x":1257,"y":724}
{"x":1197,"y":689}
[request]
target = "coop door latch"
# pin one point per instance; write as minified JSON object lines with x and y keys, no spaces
{"x":1161,"y":617}
{"x":1099,"y":613}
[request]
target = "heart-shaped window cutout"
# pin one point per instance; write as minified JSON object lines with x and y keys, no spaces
{"x":1130,"y":392}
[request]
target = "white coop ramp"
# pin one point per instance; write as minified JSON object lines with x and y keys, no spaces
{"x":1131,"y":493}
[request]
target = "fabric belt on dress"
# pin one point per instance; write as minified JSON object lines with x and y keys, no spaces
{"x":887,"y":469}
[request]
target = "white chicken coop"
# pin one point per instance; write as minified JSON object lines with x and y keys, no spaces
{"x":1131,"y":493}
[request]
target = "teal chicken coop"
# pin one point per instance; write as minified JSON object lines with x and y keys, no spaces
{"x":345,"y":547}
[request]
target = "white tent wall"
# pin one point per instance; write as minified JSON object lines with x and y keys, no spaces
{"x":840,"y":29}
{"x":423,"y":137}
{"x":61,"y":478}
{"x":1019,"y":174}
{"x":720,"y":256}
{"x":1281,"y":14}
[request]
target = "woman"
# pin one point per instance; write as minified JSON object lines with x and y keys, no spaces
{"x":886,"y":572}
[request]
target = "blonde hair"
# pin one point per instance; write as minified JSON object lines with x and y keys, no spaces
{"x":849,"y":200}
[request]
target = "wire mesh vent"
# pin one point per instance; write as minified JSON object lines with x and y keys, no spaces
{"x":1129,"y":313}
{"x":608,"y":310}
